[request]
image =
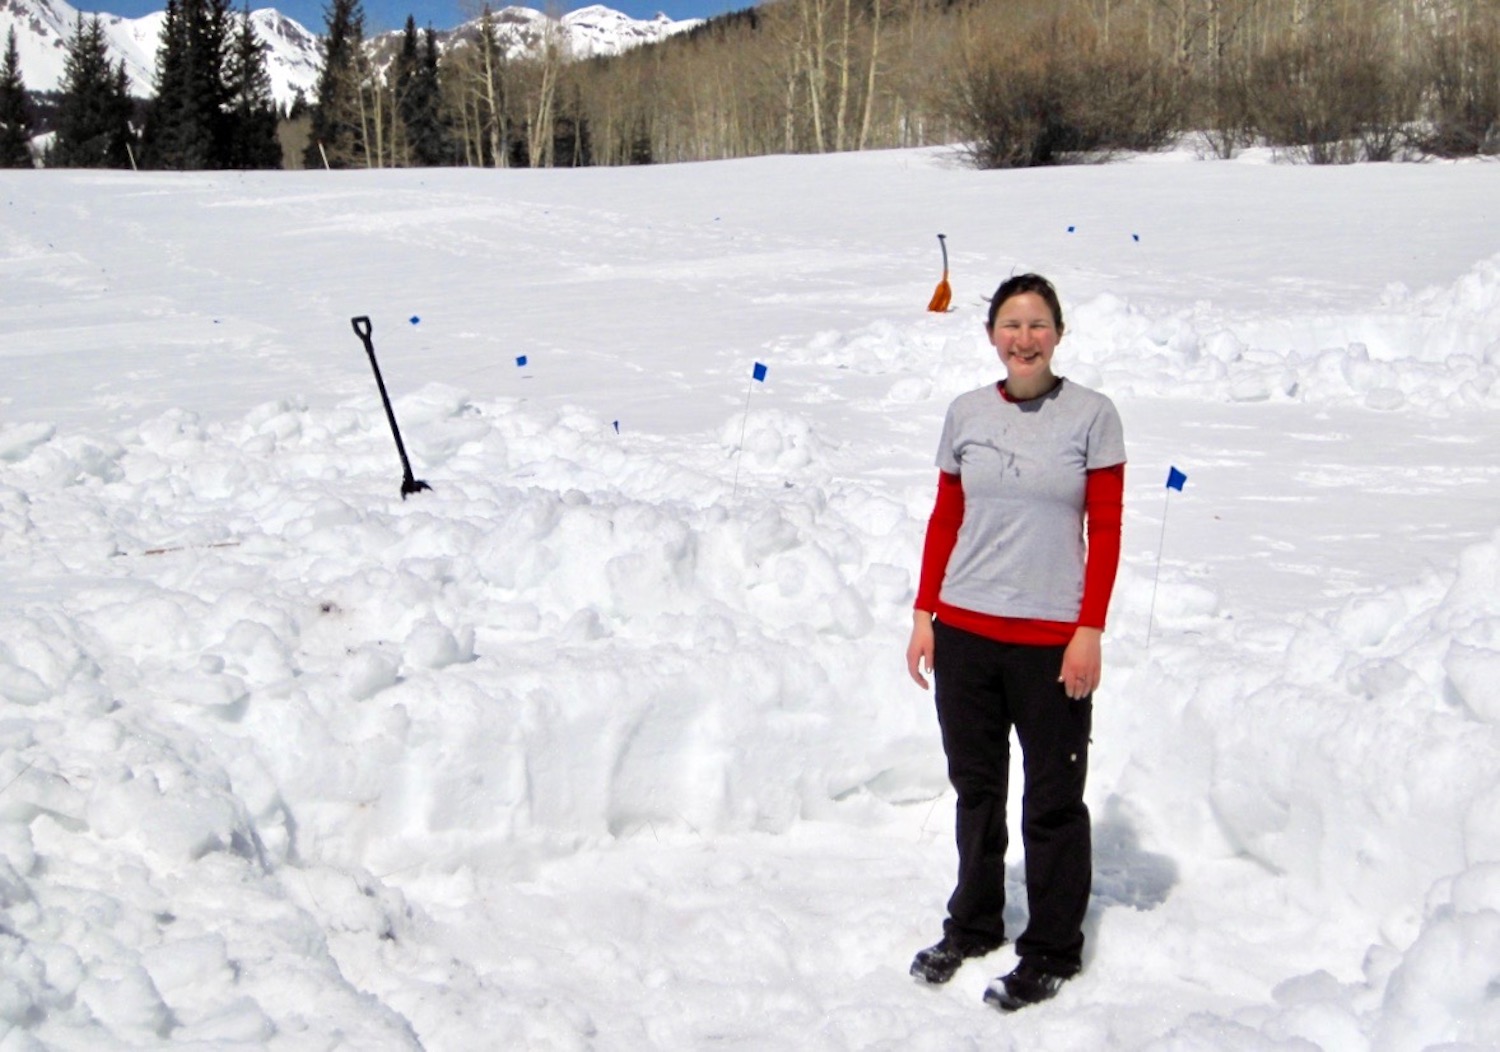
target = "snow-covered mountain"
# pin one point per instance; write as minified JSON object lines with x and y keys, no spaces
{"x":44,"y":26}
{"x":586,"y":33}
{"x":600,"y":30}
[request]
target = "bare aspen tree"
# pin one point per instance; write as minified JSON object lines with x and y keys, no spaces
{"x":1188,"y":19}
{"x":722,"y":108}
{"x":466,"y":128}
{"x":643,"y":123}
{"x":764,"y":108}
{"x":841,"y":106}
{"x":541,"y":122}
{"x":916,"y":62}
{"x":814,"y":20}
{"x":783,"y":63}
{"x":774,"y":80}
{"x":370,"y":98}
{"x":473,"y":82}
{"x":491,"y":88}
{"x":456,"y":102}
{"x":871,"y":67}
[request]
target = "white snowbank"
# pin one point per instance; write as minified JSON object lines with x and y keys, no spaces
{"x":604,"y":741}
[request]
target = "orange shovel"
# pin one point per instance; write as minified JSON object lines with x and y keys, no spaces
{"x":943,"y":294}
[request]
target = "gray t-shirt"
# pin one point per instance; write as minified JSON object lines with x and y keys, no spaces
{"x":1020,"y":549}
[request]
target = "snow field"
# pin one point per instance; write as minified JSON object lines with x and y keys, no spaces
{"x":605,"y":742}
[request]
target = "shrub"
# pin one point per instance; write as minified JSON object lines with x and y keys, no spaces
{"x":1463,"y":105}
{"x":1223,"y":112}
{"x":1048,"y":90}
{"x":1334,"y":95}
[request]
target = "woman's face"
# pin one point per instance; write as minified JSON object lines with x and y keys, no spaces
{"x":1025,"y":334}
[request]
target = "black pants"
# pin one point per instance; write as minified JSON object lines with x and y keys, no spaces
{"x":983,"y":689}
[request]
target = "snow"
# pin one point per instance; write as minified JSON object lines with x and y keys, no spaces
{"x":606,"y":740}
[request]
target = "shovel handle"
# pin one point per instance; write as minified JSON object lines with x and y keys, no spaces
{"x":943,"y":244}
{"x":408,"y":483}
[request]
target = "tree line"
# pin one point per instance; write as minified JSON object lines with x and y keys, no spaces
{"x":212,"y":106}
{"x":1020,"y":82}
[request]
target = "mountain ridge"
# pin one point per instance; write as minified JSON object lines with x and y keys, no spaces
{"x":293,"y":59}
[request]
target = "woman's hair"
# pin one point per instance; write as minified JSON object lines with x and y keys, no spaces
{"x":1022,"y":283}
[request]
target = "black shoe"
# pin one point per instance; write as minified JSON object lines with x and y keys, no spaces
{"x":1026,"y":985}
{"x":938,"y":964}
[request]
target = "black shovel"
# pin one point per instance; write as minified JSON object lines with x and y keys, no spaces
{"x":408,"y":484}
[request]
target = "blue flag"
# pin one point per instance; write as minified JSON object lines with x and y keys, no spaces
{"x":1175,"y":479}
{"x":759,"y":372}
{"x":521,"y":361}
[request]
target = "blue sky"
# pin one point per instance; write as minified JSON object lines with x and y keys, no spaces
{"x":442,"y":14}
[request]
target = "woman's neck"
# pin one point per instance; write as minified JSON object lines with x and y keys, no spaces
{"x":1029,"y":388}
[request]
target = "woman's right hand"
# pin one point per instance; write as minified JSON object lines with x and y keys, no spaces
{"x":919,"y":649}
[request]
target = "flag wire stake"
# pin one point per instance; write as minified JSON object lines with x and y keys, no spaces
{"x":757,"y":375}
{"x":1175,"y":480}
{"x":1156,"y":580}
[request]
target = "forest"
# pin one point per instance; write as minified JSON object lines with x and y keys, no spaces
{"x":1017,"y":82}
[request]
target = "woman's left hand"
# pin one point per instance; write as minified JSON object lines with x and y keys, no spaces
{"x":1082,"y":664}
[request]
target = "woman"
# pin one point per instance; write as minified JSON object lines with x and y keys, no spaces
{"x":1009,"y":611}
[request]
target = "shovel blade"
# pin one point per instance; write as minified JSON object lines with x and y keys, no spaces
{"x":942,"y":296}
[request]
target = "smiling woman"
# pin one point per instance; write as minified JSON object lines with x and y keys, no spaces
{"x":1008,"y":617}
{"x":1025,"y":326}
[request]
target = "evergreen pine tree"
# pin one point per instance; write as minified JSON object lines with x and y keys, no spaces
{"x":426,"y":128}
{"x":419,"y":100}
{"x":93,"y":115}
{"x":15,"y":110}
{"x":162,"y":135}
{"x":337,"y":126}
{"x":188,"y":126}
{"x":253,"y":117}
{"x":402,"y":77}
